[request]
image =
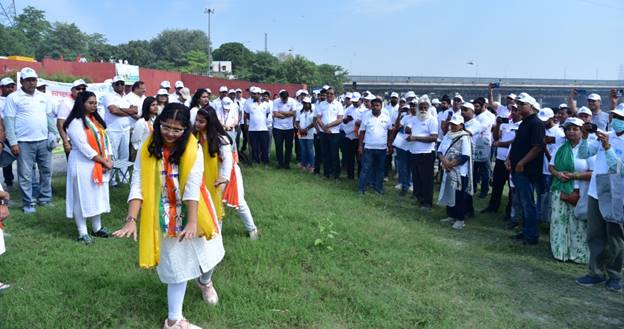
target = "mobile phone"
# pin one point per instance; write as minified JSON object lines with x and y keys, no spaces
{"x":504,"y":120}
{"x":590,"y":127}
{"x":495,"y":84}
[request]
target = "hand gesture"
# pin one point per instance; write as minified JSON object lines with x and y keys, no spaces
{"x":127,"y":230}
{"x":603,"y":138}
{"x":573,"y":93}
{"x":189,"y":232}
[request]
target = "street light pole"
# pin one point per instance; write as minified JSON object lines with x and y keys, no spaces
{"x":209,"y":12}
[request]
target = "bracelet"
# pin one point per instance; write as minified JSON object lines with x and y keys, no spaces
{"x":130,"y":219}
{"x":3,"y":202}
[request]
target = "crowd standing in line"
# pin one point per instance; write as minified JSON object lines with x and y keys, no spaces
{"x":562,"y":165}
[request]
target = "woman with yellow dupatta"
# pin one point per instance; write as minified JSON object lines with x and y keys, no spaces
{"x":179,"y":231}
{"x":88,"y":167}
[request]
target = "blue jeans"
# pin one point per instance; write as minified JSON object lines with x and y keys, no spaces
{"x":372,"y":169}
{"x":307,"y":152}
{"x":525,"y":189}
{"x":481,"y":173}
{"x":543,"y":199}
{"x":403,"y":168}
{"x":32,"y":153}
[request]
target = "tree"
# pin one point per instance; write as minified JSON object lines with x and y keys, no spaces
{"x":14,"y":42}
{"x":333,"y":75}
{"x":64,"y":39}
{"x":196,"y":62}
{"x":171,"y":46}
{"x":98,"y":49}
{"x":137,"y":52}
{"x":263,"y":67}
{"x":298,"y":69}
{"x":235,"y":52}
{"x":33,"y":25}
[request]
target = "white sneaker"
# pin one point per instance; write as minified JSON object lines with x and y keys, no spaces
{"x":398,"y":186}
{"x":209,"y":294}
{"x":447,"y":220}
{"x":253,"y":235}
{"x":411,"y":188}
{"x":458,"y":225}
{"x":181,"y":324}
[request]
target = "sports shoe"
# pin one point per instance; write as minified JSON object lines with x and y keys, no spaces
{"x":447,"y":220}
{"x":29,"y":209}
{"x":102,"y":233}
{"x":209,"y":294}
{"x":613,"y":284}
{"x":590,"y":280}
{"x":4,"y":287}
{"x":86,"y":239}
{"x":459,"y":224}
{"x":181,"y":324}
{"x":398,"y":186}
{"x":253,"y":234}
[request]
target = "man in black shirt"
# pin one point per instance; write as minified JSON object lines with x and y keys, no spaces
{"x":525,"y":162}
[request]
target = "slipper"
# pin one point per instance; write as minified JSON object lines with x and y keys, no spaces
{"x":4,"y":286}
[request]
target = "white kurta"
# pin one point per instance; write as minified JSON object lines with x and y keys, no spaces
{"x":186,"y":260}
{"x":92,"y":198}
{"x":140,"y":133}
{"x":2,"y":250}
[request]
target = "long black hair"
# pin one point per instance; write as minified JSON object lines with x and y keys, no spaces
{"x":198,"y":94}
{"x":177,"y":112}
{"x":147,"y":103}
{"x":215,"y":133}
{"x":78,"y":111}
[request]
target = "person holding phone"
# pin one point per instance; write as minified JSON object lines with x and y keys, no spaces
{"x":599,"y":117}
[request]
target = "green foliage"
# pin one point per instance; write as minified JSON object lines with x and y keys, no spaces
{"x":234,"y":52}
{"x":137,"y":52}
{"x":196,"y":62}
{"x":171,"y":46}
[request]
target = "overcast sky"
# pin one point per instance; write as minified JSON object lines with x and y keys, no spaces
{"x":513,"y":38}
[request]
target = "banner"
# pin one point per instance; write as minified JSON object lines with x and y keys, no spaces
{"x":129,"y":73}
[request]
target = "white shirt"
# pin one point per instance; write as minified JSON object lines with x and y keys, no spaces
{"x":2,"y":101}
{"x":257,"y":115}
{"x":421,"y":128}
{"x":31,"y":114}
{"x":600,"y":164}
{"x":507,"y":132}
{"x":228,"y":118}
{"x":115,"y":122}
{"x":399,"y":140}
{"x":306,"y":118}
{"x":391,"y":109}
{"x":279,"y":106}
{"x":136,"y":100}
{"x":475,"y":128}
{"x":487,"y":119}
{"x":558,"y":133}
{"x":376,"y":128}
{"x":329,"y":112}
{"x":502,"y":111}
{"x":64,"y":108}
{"x":349,"y":128}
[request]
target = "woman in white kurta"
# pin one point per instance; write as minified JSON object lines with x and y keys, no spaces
{"x":179,"y":228}
{"x":200,"y":100}
{"x":4,"y":214}
{"x":145,"y":125}
{"x":88,"y":167}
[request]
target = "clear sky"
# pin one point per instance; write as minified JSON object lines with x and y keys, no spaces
{"x":505,"y":38}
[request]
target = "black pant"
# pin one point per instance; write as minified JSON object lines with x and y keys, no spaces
{"x":499,"y":179}
{"x":330,"y":144}
{"x":7,"y":173}
{"x":259,"y":142}
{"x":283,"y":146}
{"x":421,"y":166}
{"x":297,"y":148}
{"x":243,"y":131}
{"x":318,"y":153}
{"x":458,"y":211}
{"x":349,"y":150}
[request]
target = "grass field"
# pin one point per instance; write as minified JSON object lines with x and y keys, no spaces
{"x":326,"y":259}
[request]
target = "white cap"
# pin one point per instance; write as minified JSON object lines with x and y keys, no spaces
{"x":208,"y":90}
{"x":424,"y":99}
{"x":394,"y":94}
{"x":223,"y":89}
{"x":41,"y":83}
{"x":231,"y":91}
{"x":545,"y":114}
{"x":238,"y":90}
{"x":457,"y":95}
{"x":584,"y":110}
{"x":27,"y":72}
{"x":435,"y":101}
{"x":526,"y":98}
{"x":179,"y":84}
{"x":355,"y":97}
{"x":78,"y":82}
{"x":563,"y":106}
{"x":185,"y":93}
{"x":619,"y":110}
{"x":165,"y":84}
{"x":573,"y":121}
{"x":6,"y":81}
{"x":307,"y":99}
{"x":255,"y":90}
{"x":410,"y":94}
{"x":227,"y":103}
{"x":326,"y":87}
{"x":594,"y":97}
{"x":512,"y":96}
{"x":162,"y":92}
{"x":298,"y":93}
{"x":468,"y":105}
{"x":457,"y":119}
{"x":369,"y":97}
{"x":348,"y":95}
{"x":117,"y":78}
{"x":406,"y":106}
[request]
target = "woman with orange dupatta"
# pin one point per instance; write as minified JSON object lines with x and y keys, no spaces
{"x":88,"y":167}
{"x":180,"y":233}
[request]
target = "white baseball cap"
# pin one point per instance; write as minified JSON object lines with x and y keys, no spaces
{"x":117,"y":78}
{"x":394,"y":94}
{"x":573,"y":121}
{"x":325,"y":87}
{"x":355,"y":97}
{"x":458,"y":96}
{"x":526,"y":98}
{"x":584,"y":110}
{"x":223,"y":89}
{"x":593,"y":97}
{"x":468,"y":105}
{"x":410,"y":94}
{"x":512,"y":96}
{"x":307,"y":99}
{"x":6,"y":81}
{"x":255,"y":90}
{"x":162,"y":92}
{"x":208,"y":90}
{"x":227,"y":103}
{"x":457,"y":119}
{"x":27,"y":72}
{"x":348,"y":95}
{"x":231,"y":91}
{"x":165,"y":84}
{"x":563,"y":106}
{"x":619,"y":110}
{"x":185,"y":93}
{"x":78,"y":82}
{"x":369,"y":97}
{"x":545,"y":114}
{"x":179,"y":84}
{"x":238,"y":90}
{"x":435,"y":101}
{"x":41,"y":83}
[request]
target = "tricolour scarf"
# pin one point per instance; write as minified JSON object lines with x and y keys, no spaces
{"x":98,"y":140}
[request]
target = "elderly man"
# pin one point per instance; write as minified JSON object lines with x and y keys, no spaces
{"x":30,"y":128}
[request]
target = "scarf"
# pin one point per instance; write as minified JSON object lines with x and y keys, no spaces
{"x":564,"y":161}
{"x":230,"y":194}
{"x":98,"y":140}
{"x":211,"y":171}
{"x":452,"y":179}
{"x":150,"y":230}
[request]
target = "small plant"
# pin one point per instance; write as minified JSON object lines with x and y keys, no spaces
{"x":327,"y":234}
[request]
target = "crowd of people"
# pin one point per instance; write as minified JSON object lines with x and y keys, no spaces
{"x":562,"y":166}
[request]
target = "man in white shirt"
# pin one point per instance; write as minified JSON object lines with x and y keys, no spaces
{"x":228,"y":116}
{"x":350,"y":141}
{"x":31,"y":132}
{"x":458,"y":100}
{"x":472,"y":125}
{"x":7,"y":86}
{"x":502,"y":111}
{"x":329,"y":115}
{"x":64,"y":109}
{"x":401,"y":146}
{"x":599,"y":118}
{"x":483,"y":147}
{"x":118,"y":117}
{"x":321,"y":96}
{"x":374,"y":144}
{"x":136,"y":98}
{"x":256,"y":113}
{"x":553,"y":133}
{"x":283,"y":128}
{"x":393,"y":105}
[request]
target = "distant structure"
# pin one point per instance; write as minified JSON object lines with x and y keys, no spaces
{"x":7,"y":12}
{"x":221,"y":67}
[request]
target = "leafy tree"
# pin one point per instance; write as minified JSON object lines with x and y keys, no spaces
{"x":263,"y":67}
{"x":171,"y":46}
{"x":196,"y":62}
{"x":235,"y":52}
{"x":33,"y":24}
{"x":65,"y":39}
{"x":298,"y":69}
{"x":14,"y":42}
{"x":137,"y":52}
{"x":333,"y":75}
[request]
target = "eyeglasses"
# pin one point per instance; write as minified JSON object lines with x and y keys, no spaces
{"x":171,"y":130}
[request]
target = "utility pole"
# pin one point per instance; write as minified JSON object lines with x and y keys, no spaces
{"x":209,"y":12}
{"x":266,"y":49}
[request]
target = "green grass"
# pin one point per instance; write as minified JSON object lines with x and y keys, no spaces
{"x":389,"y":266}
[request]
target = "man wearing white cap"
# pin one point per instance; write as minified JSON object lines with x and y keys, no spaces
{"x":599,"y":117}
{"x":228,"y":116}
{"x":605,"y":236}
{"x":256,"y":113}
{"x":483,"y":146}
{"x":350,"y":141}
{"x":329,"y":116}
{"x":7,"y":86}
{"x":562,"y":114}
{"x":458,"y":100}
{"x":284,"y":111}
{"x":374,"y":144}
{"x":525,"y":161}
{"x":502,"y":111}
{"x":29,"y":125}
{"x":118,"y":117}
{"x":393,"y":105}
{"x":553,"y":134}
{"x":65,"y":106}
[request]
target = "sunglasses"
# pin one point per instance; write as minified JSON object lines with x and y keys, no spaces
{"x":120,"y":83}
{"x":80,"y":89}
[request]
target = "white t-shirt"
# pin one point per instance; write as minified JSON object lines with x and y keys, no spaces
{"x":391,"y":110}
{"x":400,"y":140}
{"x":502,"y":111}
{"x":115,"y":122}
{"x":507,"y":133}
{"x":306,"y":118}
{"x":31,"y":114}
{"x":558,"y":133}
{"x":227,"y":118}
{"x":580,"y":165}
{"x":329,"y":112}
{"x":257,"y":115}
{"x":136,"y":100}
{"x":349,"y":128}
{"x":465,"y":150}
{"x":487,"y":119}
{"x":64,"y":108}
{"x":422,"y":128}
{"x":475,"y":128}
{"x":376,"y":128}
{"x":279,"y":106}
{"x":600,"y":164}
